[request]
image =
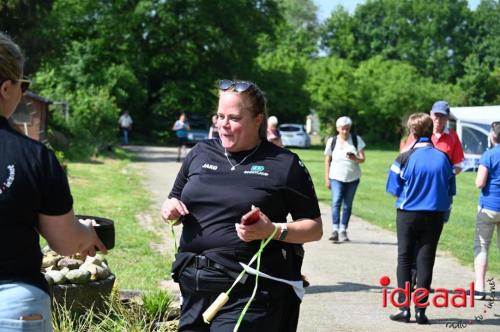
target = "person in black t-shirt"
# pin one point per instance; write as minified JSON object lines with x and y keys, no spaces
{"x":218,"y":183}
{"x":34,"y":199}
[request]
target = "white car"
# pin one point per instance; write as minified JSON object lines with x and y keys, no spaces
{"x":294,"y":134}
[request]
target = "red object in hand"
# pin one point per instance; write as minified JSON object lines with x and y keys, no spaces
{"x":251,"y":218}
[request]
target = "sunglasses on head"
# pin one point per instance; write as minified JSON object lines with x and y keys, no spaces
{"x":25,"y":84}
{"x":239,"y":86}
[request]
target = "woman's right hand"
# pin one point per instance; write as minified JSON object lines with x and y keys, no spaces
{"x":173,"y":209}
{"x":327,"y":184}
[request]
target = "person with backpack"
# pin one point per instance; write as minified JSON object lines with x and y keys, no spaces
{"x":343,"y":154}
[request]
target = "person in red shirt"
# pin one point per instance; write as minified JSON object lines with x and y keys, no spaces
{"x":443,"y":138}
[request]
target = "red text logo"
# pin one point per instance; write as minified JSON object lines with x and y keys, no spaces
{"x":442,"y":297}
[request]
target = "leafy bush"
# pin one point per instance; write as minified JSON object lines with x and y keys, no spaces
{"x":91,"y":121}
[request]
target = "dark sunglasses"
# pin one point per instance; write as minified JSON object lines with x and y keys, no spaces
{"x":25,"y":84}
{"x":239,"y":86}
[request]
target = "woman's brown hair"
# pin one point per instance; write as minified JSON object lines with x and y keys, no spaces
{"x":11,"y":59}
{"x":495,"y":129}
{"x":420,"y":125}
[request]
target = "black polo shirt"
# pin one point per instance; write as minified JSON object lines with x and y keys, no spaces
{"x":31,"y":182}
{"x":273,"y":179}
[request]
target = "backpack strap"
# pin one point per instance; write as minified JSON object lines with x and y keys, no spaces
{"x":355,"y":141}
{"x":334,"y":141}
{"x":354,"y":138}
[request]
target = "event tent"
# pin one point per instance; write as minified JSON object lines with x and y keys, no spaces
{"x":473,"y":126}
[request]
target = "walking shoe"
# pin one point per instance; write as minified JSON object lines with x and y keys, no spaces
{"x":421,"y":317}
{"x":402,"y":316}
{"x":334,"y":237}
{"x":343,"y":236}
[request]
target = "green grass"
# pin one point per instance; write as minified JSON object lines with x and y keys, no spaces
{"x":119,"y":317}
{"x":373,"y":204}
{"x":109,"y":187}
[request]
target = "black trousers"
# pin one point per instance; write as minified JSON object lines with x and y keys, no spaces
{"x":275,"y":307}
{"x":422,"y":229}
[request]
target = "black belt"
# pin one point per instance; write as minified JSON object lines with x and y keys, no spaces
{"x":200,"y":262}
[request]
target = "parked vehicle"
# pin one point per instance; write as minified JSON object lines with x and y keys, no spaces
{"x":199,"y":128}
{"x":294,"y":134}
{"x":473,"y":125}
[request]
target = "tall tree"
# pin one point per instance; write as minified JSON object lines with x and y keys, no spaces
{"x":24,"y":21}
{"x":284,"y":57}
{"x":431,"y":35}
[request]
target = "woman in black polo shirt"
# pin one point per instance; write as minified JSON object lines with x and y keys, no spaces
{"x":218,"y":183}
{"x":34,"y":199}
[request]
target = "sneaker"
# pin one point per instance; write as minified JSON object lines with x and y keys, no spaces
{"x":334,"y":237}
{"x":343,"y":236}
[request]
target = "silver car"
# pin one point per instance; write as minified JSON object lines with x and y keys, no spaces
{"x":294,"y":134}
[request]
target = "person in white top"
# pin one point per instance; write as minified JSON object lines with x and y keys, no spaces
{"x":125,"y":122}
{"x":273,"y":133}
{"x":343,"y":154}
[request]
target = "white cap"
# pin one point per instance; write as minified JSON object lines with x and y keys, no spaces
{"x":344,"y":121}
{"x":272,"y":120}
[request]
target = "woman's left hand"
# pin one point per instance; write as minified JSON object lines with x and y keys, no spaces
{"x":262,"y":229}
{"x":352,"y":157}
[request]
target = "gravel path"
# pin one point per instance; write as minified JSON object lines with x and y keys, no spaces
{"x":345,"y":293}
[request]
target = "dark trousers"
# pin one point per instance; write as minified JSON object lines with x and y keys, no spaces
{"x":422,"y":228}
{"x":275,"y":307}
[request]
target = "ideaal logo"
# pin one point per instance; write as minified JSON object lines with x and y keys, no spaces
{"x":440,"y":299}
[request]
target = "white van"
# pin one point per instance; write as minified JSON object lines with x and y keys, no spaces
{"x":473,"y":126}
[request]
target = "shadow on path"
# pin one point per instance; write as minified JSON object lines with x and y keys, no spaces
{"x":341,"y":287}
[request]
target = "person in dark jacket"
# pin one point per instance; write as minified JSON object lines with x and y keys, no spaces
{"x":423,"y":181}
{"x":34,"y":199}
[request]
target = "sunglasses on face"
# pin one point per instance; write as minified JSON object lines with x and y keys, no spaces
{"x":25,"y":84}
{"x":239,"y":86}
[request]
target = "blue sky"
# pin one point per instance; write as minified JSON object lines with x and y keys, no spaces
{"x":326,"y":6}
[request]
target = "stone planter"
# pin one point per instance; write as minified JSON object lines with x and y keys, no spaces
{"x":80,"y":298}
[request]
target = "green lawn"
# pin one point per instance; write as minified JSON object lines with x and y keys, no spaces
{"x":110,"y":187}
{"x":373,"y":204}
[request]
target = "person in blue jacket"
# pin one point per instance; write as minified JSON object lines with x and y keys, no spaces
{"x":423,"y":182}
{"x":488,"y":212}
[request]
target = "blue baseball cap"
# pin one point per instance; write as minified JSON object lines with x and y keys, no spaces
{"x":441,"y":107}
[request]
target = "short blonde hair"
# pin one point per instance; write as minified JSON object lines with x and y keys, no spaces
{"x":420,"y":125}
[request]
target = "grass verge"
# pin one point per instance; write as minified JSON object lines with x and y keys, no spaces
{"x":373,"y":204}
{"x":109,"y":187}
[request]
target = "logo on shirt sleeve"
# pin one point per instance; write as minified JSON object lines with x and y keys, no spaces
{"x":10,"y":179}
{"x":209,"y":166}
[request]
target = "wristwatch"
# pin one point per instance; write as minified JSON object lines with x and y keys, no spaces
{"x":284,"y":231}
